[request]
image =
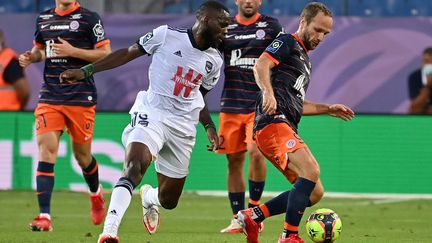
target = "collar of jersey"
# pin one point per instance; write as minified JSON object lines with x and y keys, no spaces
{"x":247,"y":21}
{"x":63,"y":13}
{"x":301,"y":43}
{"x":192,"y":39}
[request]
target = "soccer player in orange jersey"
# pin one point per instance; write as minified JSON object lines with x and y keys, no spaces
{"x":248,"y":36}
{"x":67,"y":36}
{"x":283,"y":74}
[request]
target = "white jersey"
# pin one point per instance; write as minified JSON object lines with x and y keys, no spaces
{"x":176,"y":72}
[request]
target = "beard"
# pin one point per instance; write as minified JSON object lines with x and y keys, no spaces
{"x":307,"y":42}
{"x":249,"y":13}
{"x":211,"y":39}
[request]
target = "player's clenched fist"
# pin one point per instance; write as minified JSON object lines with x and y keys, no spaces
{"x":71,"y":75}
{"x":25,"y":59}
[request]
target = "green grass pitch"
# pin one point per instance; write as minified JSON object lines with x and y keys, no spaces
{"x":199,"y":219}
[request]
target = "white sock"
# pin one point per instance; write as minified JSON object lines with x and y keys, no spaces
{"x":151,"y":197}
{"x":45,"y":215}
{"x":120,"y":200}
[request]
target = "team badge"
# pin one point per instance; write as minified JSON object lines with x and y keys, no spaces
{"x":74,"y":25}
{"x":291,"y":143}
{"x":260,"y":34}
{"x":208,"y":66}
{"x":274,"y":46}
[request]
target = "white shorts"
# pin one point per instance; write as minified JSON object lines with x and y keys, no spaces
{"x":171,"y":149}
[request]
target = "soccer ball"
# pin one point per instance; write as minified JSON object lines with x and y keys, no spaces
{"x":324,"y":226}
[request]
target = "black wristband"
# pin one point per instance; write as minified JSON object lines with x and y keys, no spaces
{"x":88,"y":70}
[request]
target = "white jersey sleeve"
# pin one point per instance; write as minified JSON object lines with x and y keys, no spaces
{"x":151,"y":41}
{"x":210,"y":82}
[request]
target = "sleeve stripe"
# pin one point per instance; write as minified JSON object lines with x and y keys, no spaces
{"x":271,"y":58}
{"x":38,"y":44}
{"x":102,"y":43}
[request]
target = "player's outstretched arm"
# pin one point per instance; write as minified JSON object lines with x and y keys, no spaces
{"x":336,"y":110}
{"x":115,"y":59}
{"x":209,"y":126}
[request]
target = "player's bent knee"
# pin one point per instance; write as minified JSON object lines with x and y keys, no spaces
{"x":316,"y":195}
{"x":256,"y":155}
{"x":83,"y":159}
{"x":48,"y":149}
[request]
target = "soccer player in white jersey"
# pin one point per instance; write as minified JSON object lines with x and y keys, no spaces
{"x":185,"y":66}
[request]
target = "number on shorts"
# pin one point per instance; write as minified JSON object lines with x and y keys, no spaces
{"x":140,"y":119}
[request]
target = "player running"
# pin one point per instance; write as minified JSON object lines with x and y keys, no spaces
{"x":185,"y":66}
{"x":67,"y":36}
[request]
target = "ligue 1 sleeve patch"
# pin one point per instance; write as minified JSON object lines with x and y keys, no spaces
{"x":274,"y":46}
{"x":146,"y":38}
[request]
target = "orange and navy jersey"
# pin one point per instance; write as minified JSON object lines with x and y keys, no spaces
{"x":290,"y":80}
{"x":242,"y":46}
{"x":82,"y":29}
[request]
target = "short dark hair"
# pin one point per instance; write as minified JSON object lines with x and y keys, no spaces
{"x":210,"y":5}
{"x":312,"y":9}
{"x":428,"y":51}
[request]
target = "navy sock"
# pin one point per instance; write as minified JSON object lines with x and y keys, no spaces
{"x":237,"y":201}
{"x":91,"y":175}
{"x":278,"y":204}
{"x":126,"y":183}
{"x":255,"y":192}
{"x":44,"y":185}
{"x":298,"y":200}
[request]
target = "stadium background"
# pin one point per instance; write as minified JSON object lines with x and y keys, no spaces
{"x":364,"y":63}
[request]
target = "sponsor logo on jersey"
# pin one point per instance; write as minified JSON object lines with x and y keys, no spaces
{"x":229,"y":36}
{"x":232,"y":26}
{"x":274,"y":46}
{"x":74,"y":25}
{"x":208,"y":66}
{"x":178,"y":53}
{"x":245,"y":62}
{"x":187,"y":82}
{"x":99,"y":31}
{"x":58,"y":60}
{"x":59,"y":27}
{"x":76,"y":16}
{"x":261,"y":24}
{"x":45,"y":16}
{"x":44,"y":25}
{"x":245,"y":37}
